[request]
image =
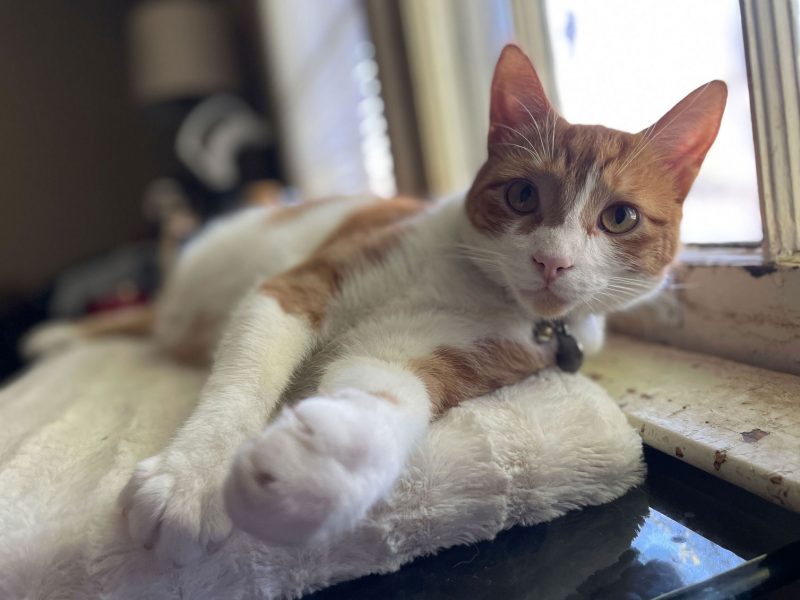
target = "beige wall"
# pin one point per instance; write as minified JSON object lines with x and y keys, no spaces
{"x":74,"y":153}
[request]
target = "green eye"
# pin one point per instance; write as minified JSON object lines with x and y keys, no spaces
{"x":522,"y":197}
{"x":619,"y":218}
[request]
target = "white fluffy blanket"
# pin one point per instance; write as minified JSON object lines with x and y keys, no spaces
{"x":74,"y":426}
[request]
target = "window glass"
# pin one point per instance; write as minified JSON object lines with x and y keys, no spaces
{"x":624,"y":64}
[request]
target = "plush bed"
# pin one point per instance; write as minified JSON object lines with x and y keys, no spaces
{"x":74,"y":425}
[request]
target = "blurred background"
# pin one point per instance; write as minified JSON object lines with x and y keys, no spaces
{"x":125,"y":125}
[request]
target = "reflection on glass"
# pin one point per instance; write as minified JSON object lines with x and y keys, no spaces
{"x":624,"y":64}
{"x":692,"y":557}
{"x":623,"y":549}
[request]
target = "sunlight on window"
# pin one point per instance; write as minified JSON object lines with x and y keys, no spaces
{"x":624,"y":64}
{"x":375,"y":146}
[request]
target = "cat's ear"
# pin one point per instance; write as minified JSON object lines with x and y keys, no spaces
{"x":683,"y":136}
{"x":517,"y":95}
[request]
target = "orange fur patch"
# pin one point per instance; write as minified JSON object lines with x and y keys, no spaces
{"x":286,"y":213}
{"x":136,"y":320}
{"x":363,"y":238}
{"x":452,"y":375}
{"x":390,"y":398}
{"x":264,"y":193}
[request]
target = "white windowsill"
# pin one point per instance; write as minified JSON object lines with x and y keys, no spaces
{"x":734,"y":421}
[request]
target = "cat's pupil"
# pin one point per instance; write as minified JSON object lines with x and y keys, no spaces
{"x":619,"y":215}
{"x":525,"y":194}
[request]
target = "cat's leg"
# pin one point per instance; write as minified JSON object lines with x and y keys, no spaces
{"x":324,"y":462}
{"x":173,"y":501}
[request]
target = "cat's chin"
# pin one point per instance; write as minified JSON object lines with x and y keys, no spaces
{"x":543,"y":303}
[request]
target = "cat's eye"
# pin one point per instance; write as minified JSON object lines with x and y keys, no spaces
{"x":522,"y":196}
{"x":619,"y":218}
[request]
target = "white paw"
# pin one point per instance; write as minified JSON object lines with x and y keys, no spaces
{"x":49,"y":337}
{"x":316,"y":470}
{"x":174,"y":508}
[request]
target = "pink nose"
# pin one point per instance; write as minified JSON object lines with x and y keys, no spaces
{"x":552,"y":267}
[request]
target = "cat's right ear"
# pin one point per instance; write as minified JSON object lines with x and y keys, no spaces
{"x":517,"y":95}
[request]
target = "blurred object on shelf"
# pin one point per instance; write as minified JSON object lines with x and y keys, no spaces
{"x":186,"y":74}
{"x":268,"y":193}
{"x":216,"y":139}
{"x":167,"y":205}
{"x":126,"y":276}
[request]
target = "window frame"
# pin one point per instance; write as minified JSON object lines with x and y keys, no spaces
{"x":770,"y":34}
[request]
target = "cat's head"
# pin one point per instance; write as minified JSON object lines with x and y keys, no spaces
{"x":581,"y":218}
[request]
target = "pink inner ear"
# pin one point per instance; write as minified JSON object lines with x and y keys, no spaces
{"x":517,"y":95}
{"x":684,"y":135}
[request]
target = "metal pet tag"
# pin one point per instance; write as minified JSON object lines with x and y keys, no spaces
{"x":569,"y":354}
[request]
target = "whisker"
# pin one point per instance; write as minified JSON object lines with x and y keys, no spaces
{"x":528,"y":150}
{"x":533,"y":119}
{"x":635,"y":152}
{"x":523,"y":136}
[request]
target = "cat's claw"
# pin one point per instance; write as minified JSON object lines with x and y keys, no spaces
{"x":315,"y":471}
{"x":174,"y":509}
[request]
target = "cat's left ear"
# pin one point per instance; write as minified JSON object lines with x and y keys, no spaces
{"x":517,"y":95}
{"x":683,"y":136}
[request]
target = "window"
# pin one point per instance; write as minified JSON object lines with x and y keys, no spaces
{"x":624,"y":64}
{"x":333,"y":129}
{"x":771,"y":42}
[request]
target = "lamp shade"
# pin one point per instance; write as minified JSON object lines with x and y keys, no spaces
{"x":180,"y":49}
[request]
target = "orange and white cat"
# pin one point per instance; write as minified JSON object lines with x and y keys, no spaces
{"x":368,"y":318}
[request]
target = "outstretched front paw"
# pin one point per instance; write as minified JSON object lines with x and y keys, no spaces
{"x":174,"y":508}
{"x":316,"y":470}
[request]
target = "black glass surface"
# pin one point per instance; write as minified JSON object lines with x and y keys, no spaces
{"x":680,"y":528}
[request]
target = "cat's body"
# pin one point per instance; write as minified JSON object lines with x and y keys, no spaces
{"x":374,"y":316}
{"x":417,"y":270}
{"x":390,"y":323}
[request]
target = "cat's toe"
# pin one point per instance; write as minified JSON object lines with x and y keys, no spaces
{"x":173,"y":511}
{"x":311,"y":474}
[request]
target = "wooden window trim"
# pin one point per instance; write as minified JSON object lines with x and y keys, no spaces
{"x":769,"y":31}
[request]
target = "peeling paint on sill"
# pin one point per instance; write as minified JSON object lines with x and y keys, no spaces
{"x":737,"y":422}
{"x":752,"y":436}
{"x":760,"y":270}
